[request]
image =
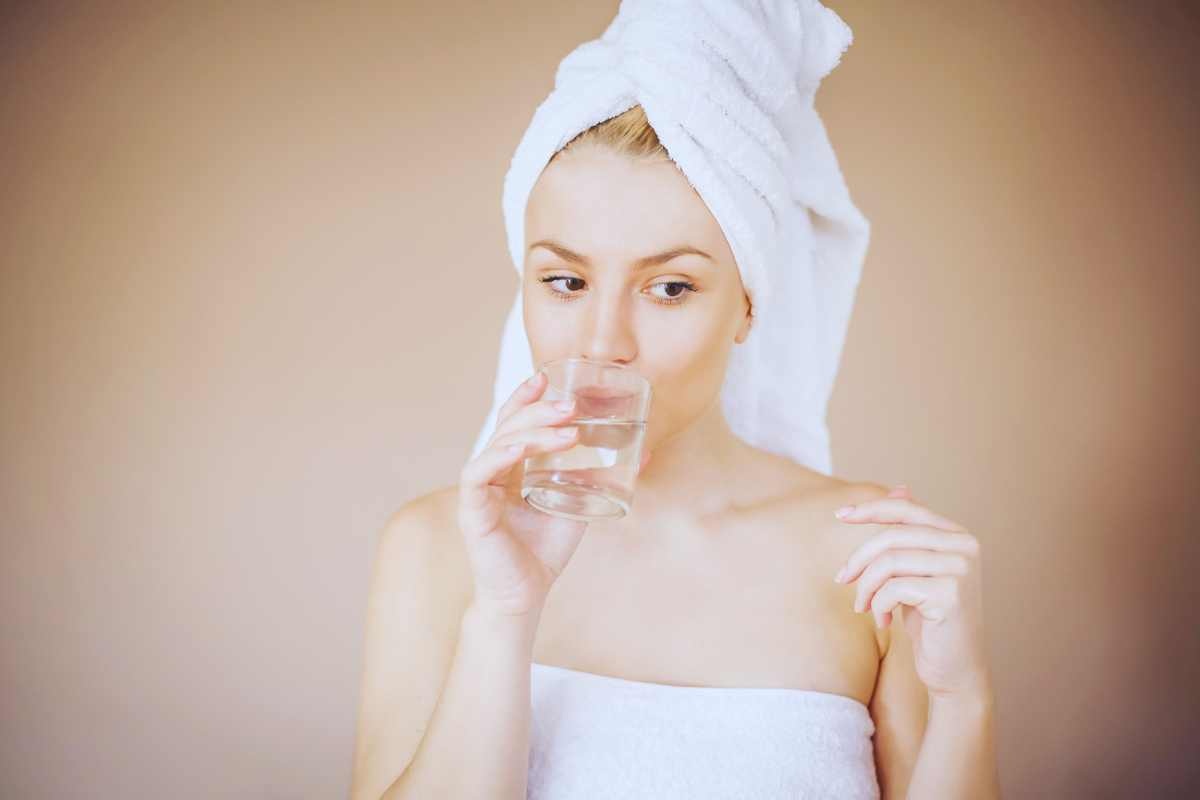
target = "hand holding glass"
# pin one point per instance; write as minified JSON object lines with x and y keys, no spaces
{"x":594,"y":479}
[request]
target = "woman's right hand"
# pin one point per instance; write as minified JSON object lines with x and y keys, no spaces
{"x":516,"y":551}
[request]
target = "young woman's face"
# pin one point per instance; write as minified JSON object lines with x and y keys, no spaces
{"x":594,"y":222}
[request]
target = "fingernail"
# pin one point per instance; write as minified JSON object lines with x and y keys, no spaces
{"x":564,"y":405}
{"x":566,"y":433}
{"x":843,"y":512}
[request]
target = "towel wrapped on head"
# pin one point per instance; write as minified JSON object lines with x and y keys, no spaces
{"x":729,"y":87}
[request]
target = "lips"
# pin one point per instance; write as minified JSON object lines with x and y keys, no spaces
{"x":602,"y":402}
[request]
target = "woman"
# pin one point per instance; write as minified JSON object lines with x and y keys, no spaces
{"x":731,"y":637}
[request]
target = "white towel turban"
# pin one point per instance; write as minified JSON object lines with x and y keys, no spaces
{"x":728,"y":86}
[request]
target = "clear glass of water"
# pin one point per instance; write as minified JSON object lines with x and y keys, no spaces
{"x":594,"y":479}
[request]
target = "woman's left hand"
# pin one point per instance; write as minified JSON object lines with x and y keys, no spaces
{"x":927,"y":568}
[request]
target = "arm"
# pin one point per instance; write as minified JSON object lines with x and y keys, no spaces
{"x":477,"y":745}
{"x":445,"y":692}
{"x":899,"y":707}
{"x":920,"y":578}
{"x":928,"y":747}
{"x":957,"y":754}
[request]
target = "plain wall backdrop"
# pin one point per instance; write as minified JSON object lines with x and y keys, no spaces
{"x":254,"y":275}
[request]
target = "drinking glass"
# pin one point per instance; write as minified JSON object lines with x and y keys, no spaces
{"x":594,"y":479}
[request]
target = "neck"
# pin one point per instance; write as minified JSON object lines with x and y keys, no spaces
{"x":686,"y":472}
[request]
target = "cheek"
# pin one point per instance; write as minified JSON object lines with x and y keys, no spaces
{"x":688,"y":358}
{"x":675,"y":342}
{"x":545,"y":324}
{"x":681,"y":341}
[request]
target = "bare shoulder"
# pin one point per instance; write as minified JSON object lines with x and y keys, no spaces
{"x":421,"y":565}
{"x":414,"y":608}
{"x":802,"y":512}
{"x":797,"y":488}
{"x":419,"y":560}
{"x":820,"y":499}
{"x":835,"y":541}
{"x":424,"y":531}
{"x":806,"y":535}
{"x":421,"y":510}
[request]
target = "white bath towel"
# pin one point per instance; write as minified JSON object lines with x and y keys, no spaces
{"x":595,"y":736}
{"x":728,"y":86}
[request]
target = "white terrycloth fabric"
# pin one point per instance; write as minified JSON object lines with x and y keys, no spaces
{"x":595,"y":736}
{"x":728,"y":86}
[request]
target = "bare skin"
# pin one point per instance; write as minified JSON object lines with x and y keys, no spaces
{"x":736,"y":596}
{"x":722,"y":574}
{"x":739,"y":595}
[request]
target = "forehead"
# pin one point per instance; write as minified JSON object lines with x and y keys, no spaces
{"x":608,"y":205}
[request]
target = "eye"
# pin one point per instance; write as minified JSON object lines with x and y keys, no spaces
{"x":674,"y":291}
{"x":574,"y":285}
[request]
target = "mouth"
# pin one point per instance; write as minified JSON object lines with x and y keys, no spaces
{"x":603,"y":402}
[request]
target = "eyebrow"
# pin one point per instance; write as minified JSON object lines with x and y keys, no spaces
{"x":567,"y":254}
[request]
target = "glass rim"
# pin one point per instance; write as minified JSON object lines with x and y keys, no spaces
{"x":593,"y":361}
{"x":641,"y":385}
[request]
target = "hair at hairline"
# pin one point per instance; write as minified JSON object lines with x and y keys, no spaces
{"x":629,"y":133}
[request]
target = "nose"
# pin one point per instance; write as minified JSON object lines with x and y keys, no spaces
{"x":607,"y":331}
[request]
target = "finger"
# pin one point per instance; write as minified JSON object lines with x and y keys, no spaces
{"x":895,"y":509}
{"x":886,"y":621}
{"x":899,"y":563}
{"x":536,"y":414}
{"x":901,"y":490}
{"x":522,"y":396}
{"x":476,"y":511}
{"x":540,"y":440}
{"x":906,"y":536}
{"x":494,"y":467}
{"x":926,"y":595}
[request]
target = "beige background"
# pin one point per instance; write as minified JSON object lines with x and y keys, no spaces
{"x":253,"y":277}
